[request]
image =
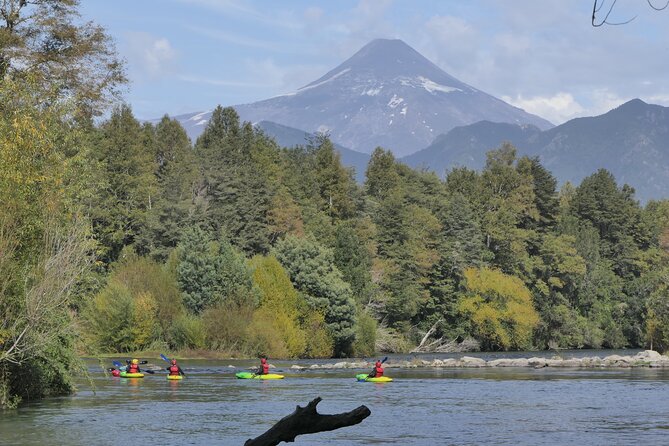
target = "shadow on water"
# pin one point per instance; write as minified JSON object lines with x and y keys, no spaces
{"x":504,"y":406}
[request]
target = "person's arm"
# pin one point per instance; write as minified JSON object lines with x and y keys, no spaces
{"x":181,"y":371}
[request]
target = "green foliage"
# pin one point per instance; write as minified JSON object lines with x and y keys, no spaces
{"x":237,"y":190}
{"x":44,"y":246}
{"x":120,"y":212}
{"x":312,"y":270}
{"x":226,"y":326}
{"x":188,"y":331}
{"x":365,"y":335}
{"x":210,"y":272}
{"x":47,"y":40}
{"x":354,"y":261}
{"x":499,"y":308}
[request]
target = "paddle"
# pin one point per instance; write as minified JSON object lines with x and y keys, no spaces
{"x":167,"y":360}
{"x":119,"y":365}
{"x":382,"y":361}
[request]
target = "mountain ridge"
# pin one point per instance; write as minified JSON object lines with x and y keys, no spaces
{"x":386,"y":94}
{"x":631,"y":141}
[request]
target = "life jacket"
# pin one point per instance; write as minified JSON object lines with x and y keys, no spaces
{"x":174,"y":370}
{"x":116,"y":372}
{"x":265,"y":368}
{"x":133,"y":368}
{"x":378,"y":369}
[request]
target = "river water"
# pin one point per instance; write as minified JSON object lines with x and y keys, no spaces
{"x":500,"y":406}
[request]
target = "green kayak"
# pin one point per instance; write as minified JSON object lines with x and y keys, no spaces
{"x":364,"y":377}
{"x":249,"y":375}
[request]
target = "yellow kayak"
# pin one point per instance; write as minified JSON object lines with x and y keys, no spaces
{"x":249,"y":375}
{"x":174,"y":377}
{"x":366,"y":378}
{"x":131,"y":375}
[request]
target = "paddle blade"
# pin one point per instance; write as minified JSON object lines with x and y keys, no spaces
{"x":384,"y":360}
{"x":165,"y":358}
{"x":116,"y":363}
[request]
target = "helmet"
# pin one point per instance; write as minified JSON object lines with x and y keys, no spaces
{"x":174,"y":362}
{"x":378,"y":363}
{"x":135,"y":361}
{"x":263,"y":360}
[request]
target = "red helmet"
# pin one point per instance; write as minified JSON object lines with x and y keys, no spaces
{"x":378,"y":364}
{"x":263,"y":360}
{"x":174,"y":362}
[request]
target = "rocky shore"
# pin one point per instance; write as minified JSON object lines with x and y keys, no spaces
{"x":648,"y":358}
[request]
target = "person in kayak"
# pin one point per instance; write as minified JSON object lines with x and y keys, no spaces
{"x":133,"y":367}
{"x":175,"y":370}
{"x":264,"y":367}
{"x":378,"y":370}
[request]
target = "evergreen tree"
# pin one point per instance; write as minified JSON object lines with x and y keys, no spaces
{"x":236,"y":190}
{"x":312,"y":270}
{"x":354,"y":261}
{"x":124,"y":200}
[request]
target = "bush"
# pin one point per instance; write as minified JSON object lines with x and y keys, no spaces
{"x":365,"y":335}
{"x":187,"y":332}
{"x":226,"y":326}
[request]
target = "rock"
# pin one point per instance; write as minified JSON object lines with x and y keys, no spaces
{"x":468,"y":361}
{"x":297,"y":367}
{"x":314,"y":366}
{"x":651,"y":355}
{"x":537,"y":362}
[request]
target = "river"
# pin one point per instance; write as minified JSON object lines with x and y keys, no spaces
{"x":500,"y":406}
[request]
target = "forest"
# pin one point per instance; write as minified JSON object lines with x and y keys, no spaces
{"x":120,"y":236}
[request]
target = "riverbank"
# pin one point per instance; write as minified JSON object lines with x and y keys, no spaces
{"x":647,"y":358}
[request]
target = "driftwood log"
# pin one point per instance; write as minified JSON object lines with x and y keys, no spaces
{"x":306,"y":420}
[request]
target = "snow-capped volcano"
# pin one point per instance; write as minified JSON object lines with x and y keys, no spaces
{"x":386,"y":94}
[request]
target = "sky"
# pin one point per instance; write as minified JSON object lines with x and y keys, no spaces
{"x":544,"y":56}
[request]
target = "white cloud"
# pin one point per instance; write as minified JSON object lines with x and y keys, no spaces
{"x":150,"y":56}
{"x":242,"y":10}
{"x":557,"y":108}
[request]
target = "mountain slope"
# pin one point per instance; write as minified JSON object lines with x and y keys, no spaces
{"x":631,"y":141}
{"x":386,"y":94}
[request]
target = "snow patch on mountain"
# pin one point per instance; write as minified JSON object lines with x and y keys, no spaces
{"x":372,"y":91}
{"x":432,"y":86}
{"x":395,"y":101}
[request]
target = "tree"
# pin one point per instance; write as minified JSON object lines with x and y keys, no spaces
{"x":44,"y":245}
{"x":312,"y":270}
{"x":129,"y":187}
{"x":210,"y":273}
{"x":499,"y":308}
{"x":177,"y":180}
{"x":46,"y":40}
{"x":335,"y":183}
{"x":236,"y":187}
{"x":353,"y":259}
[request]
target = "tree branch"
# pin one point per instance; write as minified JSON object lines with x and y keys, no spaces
{"x":306,"y":420}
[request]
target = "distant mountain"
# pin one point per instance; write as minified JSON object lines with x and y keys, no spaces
{"x":386,"y":94}
{"x":289,"y":137}
{"x":631,"y":141}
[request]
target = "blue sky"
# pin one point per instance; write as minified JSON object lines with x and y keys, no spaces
{"x":544,"y":56}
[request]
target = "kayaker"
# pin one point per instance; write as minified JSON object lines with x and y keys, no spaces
{"x":174,"y":369}
{"x":115,"y":372}
{"x":133,"y":367}
{"x":264,"y":367}
{"x":378,"y":370}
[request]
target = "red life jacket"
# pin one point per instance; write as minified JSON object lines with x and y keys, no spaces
{"x":265,"y":368}
{"x":174,"y":370}
{"x":116,"y":372}
{"x":133,"y":368}
{"x":379,"y":370}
